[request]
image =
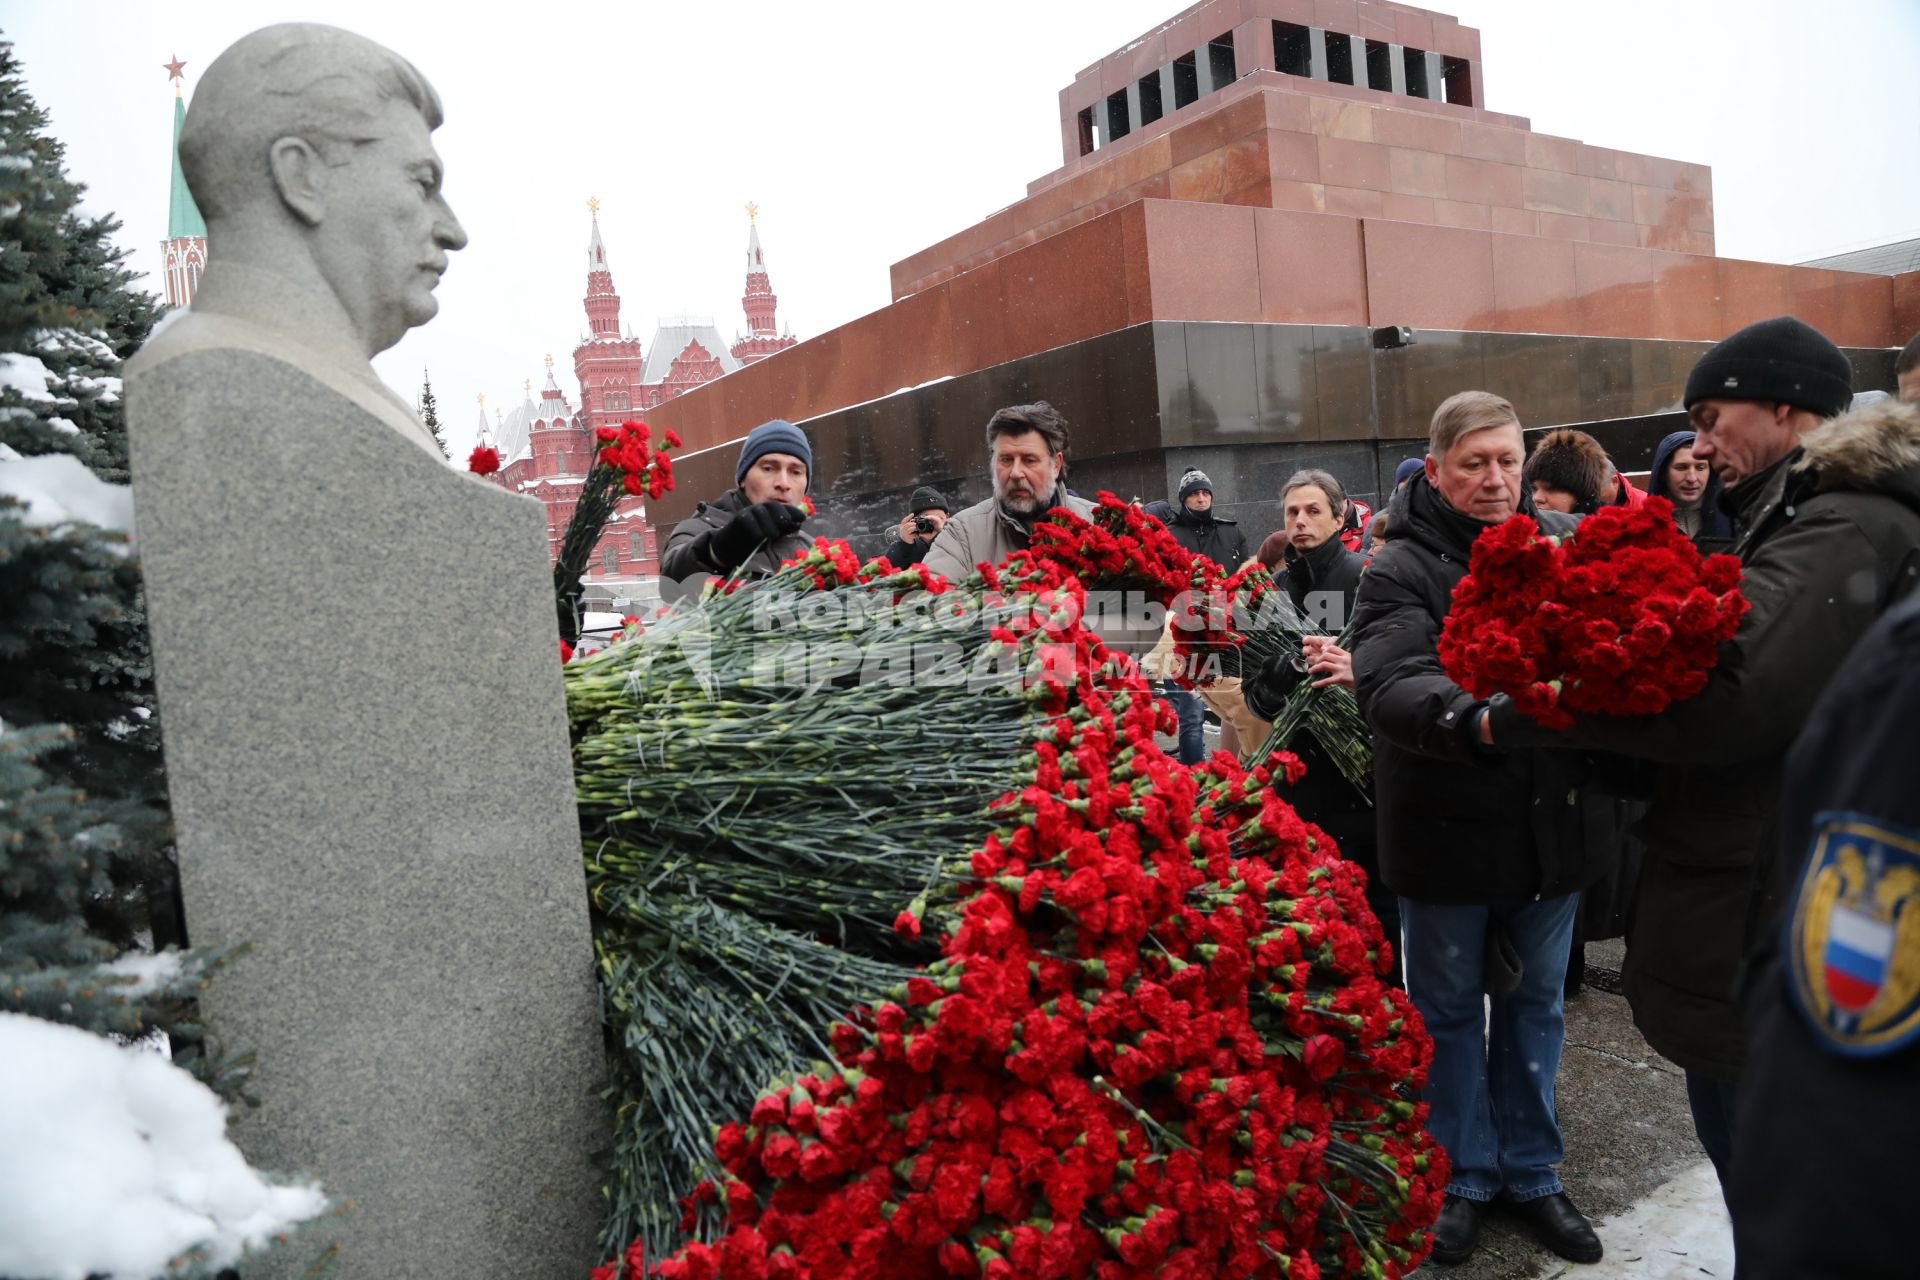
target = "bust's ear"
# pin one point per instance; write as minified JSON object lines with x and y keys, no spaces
{"x":300,"y":176}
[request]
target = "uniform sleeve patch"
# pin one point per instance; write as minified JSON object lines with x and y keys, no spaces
{"x":1853,"y":936}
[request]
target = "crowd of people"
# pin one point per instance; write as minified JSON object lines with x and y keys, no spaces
{"x":1495,"y":847}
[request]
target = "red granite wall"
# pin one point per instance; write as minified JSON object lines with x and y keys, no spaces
{"x":1278,"y":141}
{"x":1194,"y":261}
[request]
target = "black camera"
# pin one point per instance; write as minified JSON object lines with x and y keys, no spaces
{"x":923,"y":524}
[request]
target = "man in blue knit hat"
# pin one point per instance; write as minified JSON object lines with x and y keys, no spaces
{"x":1829,"y":505}
{"x":752,"y":527}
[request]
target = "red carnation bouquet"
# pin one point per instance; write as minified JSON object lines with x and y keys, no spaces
{"x":1624,"y":617}
{"x":642,"y":470}
{"x":1120,"y":549}
{"x":627,"y":462}
{"x":1124,"y":559}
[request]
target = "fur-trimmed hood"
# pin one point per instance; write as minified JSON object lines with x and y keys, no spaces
{"x":1875,"y":448}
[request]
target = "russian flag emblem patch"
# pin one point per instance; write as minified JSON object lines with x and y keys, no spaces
{"x":1853,"y":938}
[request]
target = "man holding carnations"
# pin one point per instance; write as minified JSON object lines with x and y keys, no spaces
{"x":1832,"y":539}
{"x":1320,"y":575}
{"x":1487,"y":854}
{"x":752,"y":527}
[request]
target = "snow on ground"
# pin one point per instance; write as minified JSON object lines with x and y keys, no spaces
{"x":117,"y":1162}
{"x":1678,"y":1231}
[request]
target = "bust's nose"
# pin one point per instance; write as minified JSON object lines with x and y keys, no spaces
{"x":447,"y":231}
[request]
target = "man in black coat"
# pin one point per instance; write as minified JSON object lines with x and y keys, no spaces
{"x":1832,"y":520}
{"x":1694,"y":491}
{"x":1196,"y":527}
{"x":752,"y":527}
{"x":1487,"y":854}
{"x":1320,"y":575}
{"x":1828,"y":1118}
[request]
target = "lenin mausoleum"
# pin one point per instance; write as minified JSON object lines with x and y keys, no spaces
{"x":1281,"y":232}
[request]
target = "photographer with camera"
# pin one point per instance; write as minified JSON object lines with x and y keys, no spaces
{"x":918,"y":529}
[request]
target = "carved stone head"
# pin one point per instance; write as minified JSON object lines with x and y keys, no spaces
{"x":307,"y":149}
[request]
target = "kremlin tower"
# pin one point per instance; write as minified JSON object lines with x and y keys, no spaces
{"x":759,"y":302}
{"x":185,"y":248}
{"x":607,"y":361}
{"x":547,"y":447}
{"x":546,"y":450}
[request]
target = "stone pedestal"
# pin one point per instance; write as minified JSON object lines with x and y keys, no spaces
{"x":367,"y":753}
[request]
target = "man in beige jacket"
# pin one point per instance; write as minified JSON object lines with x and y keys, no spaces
{"x":1027,"y":450}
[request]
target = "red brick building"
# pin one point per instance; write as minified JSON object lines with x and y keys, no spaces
{"x":546,"y":445}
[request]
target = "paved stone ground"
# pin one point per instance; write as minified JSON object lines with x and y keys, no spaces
{"x":1631,"y":1159}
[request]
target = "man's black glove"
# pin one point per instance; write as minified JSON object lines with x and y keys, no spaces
{"x":729,"y":546}
{"x":1267,"y":690}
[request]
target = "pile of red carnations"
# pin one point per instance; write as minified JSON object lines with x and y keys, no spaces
{"x":1242,"y":617}
{"x":1120,"y":548}
{"x":1625,"y":617}
{"x":1156,"y":1041}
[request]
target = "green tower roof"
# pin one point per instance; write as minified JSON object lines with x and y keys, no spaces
{"x":183,"y":217}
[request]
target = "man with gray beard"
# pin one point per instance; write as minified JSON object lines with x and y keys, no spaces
{"x":1027,"y":451}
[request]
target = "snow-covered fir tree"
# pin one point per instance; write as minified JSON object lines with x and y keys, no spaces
{"x":147,"y":1180}
{"x":73,"y":635}
{"x":430,"y":412}
{"x":87,"y":879}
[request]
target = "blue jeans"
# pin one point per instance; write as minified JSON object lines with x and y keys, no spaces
{"x":1490,"y":1092}
{"x":1193,"y":722}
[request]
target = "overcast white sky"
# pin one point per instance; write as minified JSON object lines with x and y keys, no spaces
{"x":869,"y":129}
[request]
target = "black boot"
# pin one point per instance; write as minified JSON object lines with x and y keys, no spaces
{"x":1456,"y":1233}
{"x":1561,"y":1227}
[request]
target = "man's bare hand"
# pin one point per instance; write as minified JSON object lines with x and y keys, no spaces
{"x":1327,"y":660}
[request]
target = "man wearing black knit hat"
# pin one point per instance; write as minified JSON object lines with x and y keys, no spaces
{"x":1201,"y":530}
{"x":752,"y":527}
{"x":1831,"y":511}
{"x":926,"y":516}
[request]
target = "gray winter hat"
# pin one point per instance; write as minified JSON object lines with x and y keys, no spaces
{"x":1192,"y":482}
